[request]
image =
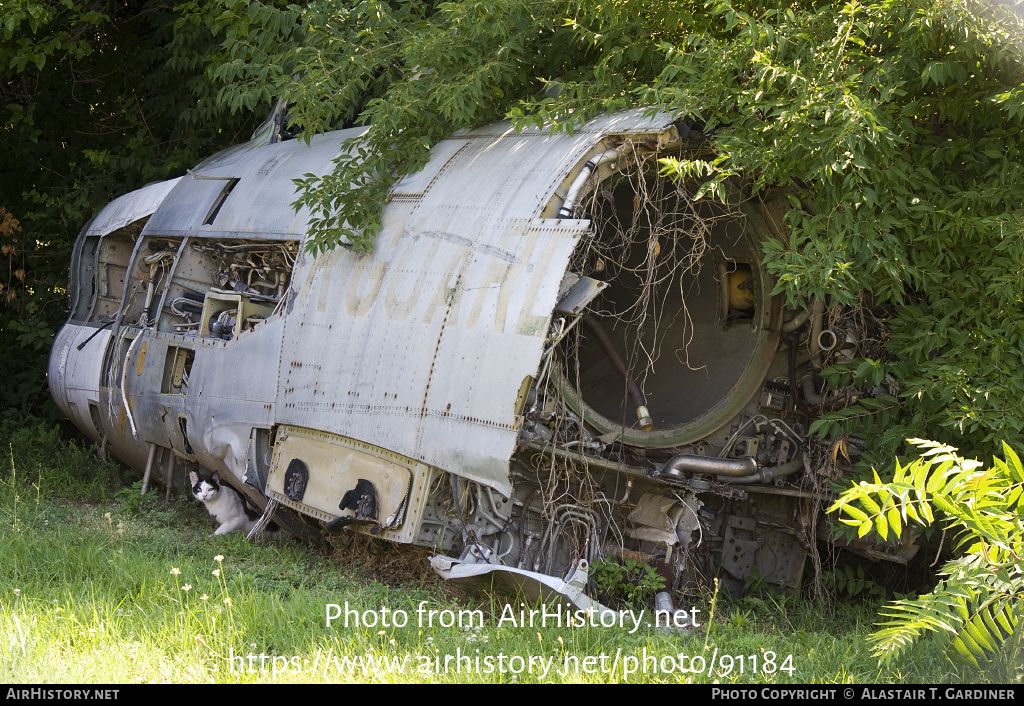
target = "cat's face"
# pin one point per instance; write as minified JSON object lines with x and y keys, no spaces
{"x":205,"y":490}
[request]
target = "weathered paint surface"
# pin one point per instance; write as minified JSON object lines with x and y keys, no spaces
{"x":130,"y":207}
{"x":259,"y":204}
{"x":447,"y":315}
{"x":419,"y":347}
{"x":407,"y":367}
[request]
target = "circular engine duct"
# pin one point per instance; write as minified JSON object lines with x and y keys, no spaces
{"x":683,"y":327}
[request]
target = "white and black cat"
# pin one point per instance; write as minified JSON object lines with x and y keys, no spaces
{"x":223,"y":503}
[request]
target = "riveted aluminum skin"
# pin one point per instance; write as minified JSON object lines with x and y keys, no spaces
{"x":419,"y":347}
{"x":442,"y":321}
{"x":399,"y":392}
{"x":260,"y":202}
{"x":130,"y":207}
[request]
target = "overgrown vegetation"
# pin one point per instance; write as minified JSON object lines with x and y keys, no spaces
{"x":629,"y":584}
{"x":977,"y":607}
{"x":894,"y":129}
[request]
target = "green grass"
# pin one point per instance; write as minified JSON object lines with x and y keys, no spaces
{"x":92,"y":591}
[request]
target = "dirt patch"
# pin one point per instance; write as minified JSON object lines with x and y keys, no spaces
{"x":388,"y":563}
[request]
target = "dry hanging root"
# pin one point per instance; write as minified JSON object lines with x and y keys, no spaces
{"x":653,"y":242}
{"x":653,"y":239}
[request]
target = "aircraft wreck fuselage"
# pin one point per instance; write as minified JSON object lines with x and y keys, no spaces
{"x":551,"y":356}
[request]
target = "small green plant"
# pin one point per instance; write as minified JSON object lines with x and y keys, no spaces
{"x":1007,"y":667}
{"x":754,"y":582}
{"x":976,"y":608}
{"x":851,"y":583}
{"x":740,"y":618}
{"x":132,"y":499}
{"x":630,"y":583}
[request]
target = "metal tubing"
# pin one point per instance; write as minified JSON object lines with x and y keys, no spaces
{"x":767,"y":475}
{"x":589,"y":169}
{"x":588,"y":517}
{"x":480,"y":507}
{"x":524,"y":548}
{"x":816,"y":326}
{"x":150,"y":289}
{"x":522,"y":527}
{"x":798,"y":320}
{"x":732,"y":467}
{"x":540,"y":547}
{"x":169,"y":479}
{"x":124,"y":381}
{"x":624,"y":498}
{"x":644,"y":417}
{"x":812,"y":397}
{"x":827,"y":340}
{"x":149,"y":468}
{"x":590,"y":461}
{"x":565,"y":514}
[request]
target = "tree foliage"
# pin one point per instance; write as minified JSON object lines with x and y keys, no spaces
{"x":978,"y":606}
{"x":99,"y":98}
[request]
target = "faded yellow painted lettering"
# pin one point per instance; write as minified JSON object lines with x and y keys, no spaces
{"x":399,"y":310}
{"x":529,"y":324}
{"x":449,"y":291}
{"x":358,"y":304}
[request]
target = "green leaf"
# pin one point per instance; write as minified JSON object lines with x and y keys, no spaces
{"x":920,"y":472}
{"x":855,"y":512}
{"x":893,"y":517}
{"x":964,"y":651}
{"x":1014,"y":462}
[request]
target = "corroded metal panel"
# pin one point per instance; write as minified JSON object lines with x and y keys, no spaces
{"x":231,"y":390}
{"x":73,"y":377}
{"x":211,"y":203}
{"x":422,"y":345}
{"x":334,"y":466}
{"x":130,"y":207}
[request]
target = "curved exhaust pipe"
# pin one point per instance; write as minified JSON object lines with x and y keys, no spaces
{"x":736,"y":470}
{"x":733,"y":467}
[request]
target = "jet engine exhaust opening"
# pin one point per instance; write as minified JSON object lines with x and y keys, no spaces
{"x":683,"y":318}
